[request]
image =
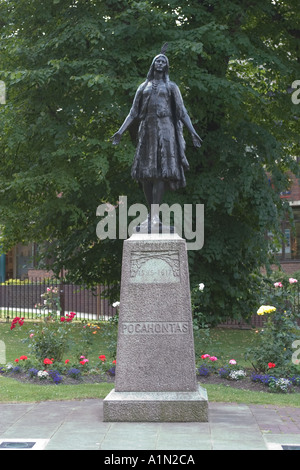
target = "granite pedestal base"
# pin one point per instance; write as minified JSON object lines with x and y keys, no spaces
{"x":156,"y":406}
{"x":155,"y":370}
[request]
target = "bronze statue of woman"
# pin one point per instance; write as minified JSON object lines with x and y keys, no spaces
{"x":160,"y":160}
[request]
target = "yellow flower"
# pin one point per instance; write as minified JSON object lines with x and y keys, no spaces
{"x":265,"y":309}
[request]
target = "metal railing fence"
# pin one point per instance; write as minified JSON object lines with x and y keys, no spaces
{"x":27,"y":299}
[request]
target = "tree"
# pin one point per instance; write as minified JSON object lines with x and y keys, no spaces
{"x":71,"y":70}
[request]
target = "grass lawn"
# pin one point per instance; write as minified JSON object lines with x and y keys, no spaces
{"x":15,"y":347}
{"x":13,"y":391}
{"x":224,"y":343}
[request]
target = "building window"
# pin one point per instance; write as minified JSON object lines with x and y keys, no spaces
{"x":24,"y":259}
{"x":295,"y":248}
{"x":290,"y":249}
{"x":18,"y":260}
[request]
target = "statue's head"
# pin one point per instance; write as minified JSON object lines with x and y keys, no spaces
{"x":159,"y":59}
{"x":163,"y":61}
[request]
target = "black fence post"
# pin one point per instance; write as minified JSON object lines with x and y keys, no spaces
{"x":62,"y":297}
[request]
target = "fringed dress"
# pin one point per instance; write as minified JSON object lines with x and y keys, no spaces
{"x":160,"y":152}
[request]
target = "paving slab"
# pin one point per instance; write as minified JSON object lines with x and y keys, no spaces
{"x":79,"y":425}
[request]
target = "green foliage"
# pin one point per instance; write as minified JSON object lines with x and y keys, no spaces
{"x":51,"y":301}
{"x":109,"y":336}
{"x":198,"y":301}
{"x":16,"y":282}
{"x":50,"y":339}
{"x":275,"y":341}
{"x":86,"y":338}
{"x":71,"y":70}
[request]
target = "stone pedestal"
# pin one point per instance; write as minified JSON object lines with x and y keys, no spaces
{"x":155,"y":371}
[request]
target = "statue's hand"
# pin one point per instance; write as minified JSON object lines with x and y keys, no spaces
{"x":116,"y":138}
{"x":196,"y":140}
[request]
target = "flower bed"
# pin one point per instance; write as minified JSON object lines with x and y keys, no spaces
{"x":275,"y":363}
{"x":54,"y":372}
{"x":209,"y":371}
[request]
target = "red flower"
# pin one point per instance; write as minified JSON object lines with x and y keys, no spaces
{"x":23,"y":358}
{"x":271,"y":365}
{"x":48,"y":361}
{"x":15,"y":321}
{"x":102,"y":358}
{"x":67,"y":361}
{"x":16,"y":360}
{"x":70,"y":316}
{"x":83,"y":360}
{"x":62,"y":318}
{"x":114,"y":362}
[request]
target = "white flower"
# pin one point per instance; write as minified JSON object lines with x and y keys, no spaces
{"x":201,"y":286}
{"x":237,"y":374}
{"x":116,"y":304}
{"x":42,"y":374}
{"x":282,"y":384}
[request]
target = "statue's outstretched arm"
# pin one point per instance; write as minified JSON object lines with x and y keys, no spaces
{"x":134,"y":112}
{"x":182,"y":114}
{"x":117,"y":136}
{"x":185,"y":118}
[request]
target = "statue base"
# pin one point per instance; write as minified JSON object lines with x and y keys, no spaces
{"x":154,"y":225}
{"x":155,"y":370}
{"x":156,"y":406}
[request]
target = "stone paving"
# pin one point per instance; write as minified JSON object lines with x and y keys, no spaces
{"x":79,"y":425}
{"x":277,"y":420}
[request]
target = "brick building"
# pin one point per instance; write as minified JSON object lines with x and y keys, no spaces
{"x":289,"y":254}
